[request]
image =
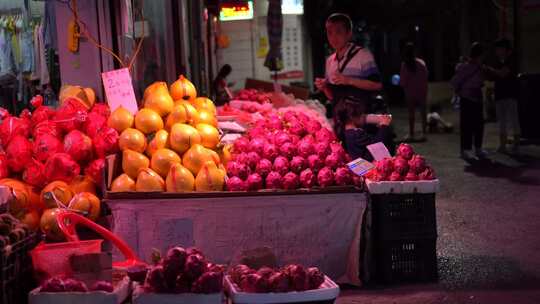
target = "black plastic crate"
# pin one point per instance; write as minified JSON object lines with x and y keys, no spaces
{"x":406,"y":260}
{"x":16,"y":275}
{"x":403,"y":216}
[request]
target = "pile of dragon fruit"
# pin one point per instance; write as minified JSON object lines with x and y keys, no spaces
{"x":59,"y":284}
{"x":288,"y":278}
{"x":184,"y":271}
{"x":405,"y":166}
{"x":253,"y":95}
{"x":288,"y":150}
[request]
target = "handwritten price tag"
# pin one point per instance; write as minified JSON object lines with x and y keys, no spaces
{"x":379,"y":151}
{"x":119,"y":90}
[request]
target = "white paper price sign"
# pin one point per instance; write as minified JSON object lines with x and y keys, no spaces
{"x":119,"y":90}
{"x":379,"y":151}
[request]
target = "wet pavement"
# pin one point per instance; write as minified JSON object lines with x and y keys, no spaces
{"x":488,"y":218}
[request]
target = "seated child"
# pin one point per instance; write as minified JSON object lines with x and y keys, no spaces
{"x":350,"y":123}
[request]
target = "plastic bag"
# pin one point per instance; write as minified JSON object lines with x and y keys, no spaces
{"x":71,"y":116}
{"x":19,"y":153}
{"x":79,"y":146}
{"x":94,"y":123}
{"x":48,"y":127}
{"x":101,"y":109}
{"x":95,"y":171}
{"x":42,"y":113}
{"x":61,"y":167}
{"x":106,"y":142}
{"x":4,"y":169}
{"x":13,"y":126}
{"x":34,"y":174}
{"x":45,"y":146}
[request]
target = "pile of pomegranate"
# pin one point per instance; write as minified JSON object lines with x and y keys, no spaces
{"x":288,"y":150}
{"x":286,"y":279}
{"x":184,"y":271}
{"x":405,"y":166}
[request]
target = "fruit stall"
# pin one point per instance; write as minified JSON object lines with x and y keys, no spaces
{"x":261,"y":186}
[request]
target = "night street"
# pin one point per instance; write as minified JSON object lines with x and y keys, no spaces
{"x":487,"y":217}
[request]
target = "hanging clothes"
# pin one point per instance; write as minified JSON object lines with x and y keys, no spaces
{"x":49,"y":26}
{"x":6,"y":54}
{"x":43,"y":68}
{"x":27,"y":50}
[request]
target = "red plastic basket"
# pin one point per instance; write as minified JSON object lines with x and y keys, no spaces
{"x":53,"y":259}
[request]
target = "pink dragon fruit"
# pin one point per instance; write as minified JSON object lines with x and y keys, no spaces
{"x":257,"y":132}
{"x":254,"y":182}
{"x":274,"y":180}
{"x":303,"y":118}
{"x":343,"y":176}
{"x":411,"y":176}
{"x":298,"y":163}
{"x":305,"y":148}
{"x":310,"y":139}
{"x":235,"y":168}
{"x":401,"y":165}
{"x":333,"y":161}
{"x":241,"y":145}
{"x":253,"y":159}
{"x":295,"y":139}
{"x":417,"y":164}
{"x":322,"y":149}
{"x":337,"y":148}
{"x":396,"y":176}
{"x":325,"y":135}
{"x":288,"y":150}
{"x":297,"y":128}
{"x":270,"y":152}
{"x":281,"y":165}
{"x":357,"y":180}
{"x":264,"y":167}
{"x":405,"y":151}
{"x":385,"y":166}
{"x":325,"y":178}
{"x":240,"y":157}
{"x":313,"y":126}
{"x":281,"y":138}
{"x":315,"y":162}
{"x":427,"y":174}
{"x":257,"y":145}
{"x":275,"y":123}
{"x":236,"y":184}
{"x":289,"y":116}
{"x":308,"y":179}
{"x":290,"y":181}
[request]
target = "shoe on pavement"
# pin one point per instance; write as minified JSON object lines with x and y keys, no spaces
{"x":468,"y":155}
{"x":481,"y":153}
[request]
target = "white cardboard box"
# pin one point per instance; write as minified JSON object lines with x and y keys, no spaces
{"x":328,"y":291}
{"x":119,"y":295}
{"x":431,"y":186}
{"x":142,"y":297}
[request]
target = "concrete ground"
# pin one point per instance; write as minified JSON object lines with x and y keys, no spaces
{"x":488,"y":218}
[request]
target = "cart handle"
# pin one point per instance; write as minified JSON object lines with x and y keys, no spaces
{"x":67,"y":221}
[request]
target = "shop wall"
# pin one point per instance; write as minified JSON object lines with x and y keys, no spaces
{"x":84,"y":67}
{"x":530,"y":44}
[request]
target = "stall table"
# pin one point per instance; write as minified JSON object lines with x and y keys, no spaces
{"x":313,"y":228}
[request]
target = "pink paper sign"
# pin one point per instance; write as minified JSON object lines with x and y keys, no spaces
{"x":119,"y":90}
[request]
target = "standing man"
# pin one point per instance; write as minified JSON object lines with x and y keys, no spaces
{"x":506,"y":92}
{"x":351,"y":72}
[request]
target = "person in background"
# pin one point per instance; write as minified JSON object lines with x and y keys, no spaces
{"x":350,"y":128}
{"x":414,"y":80}
{"x":220,"y":87}
{"x":468,"y":82}
{"x":504,"y":72}
{"x":436,"y":122}
{"x":351,"y":72}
